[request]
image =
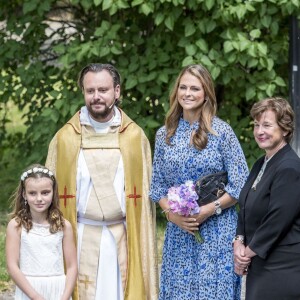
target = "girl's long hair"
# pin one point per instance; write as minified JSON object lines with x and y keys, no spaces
{"x":21,"y":211}
{"x":208,"y":109}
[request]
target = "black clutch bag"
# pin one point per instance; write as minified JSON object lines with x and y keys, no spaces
{"x":210,"y":187}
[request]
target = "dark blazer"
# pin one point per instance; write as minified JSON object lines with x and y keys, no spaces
{"x":270,"y":215}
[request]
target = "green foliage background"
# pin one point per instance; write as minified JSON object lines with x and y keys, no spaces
{"x":44,"y":44}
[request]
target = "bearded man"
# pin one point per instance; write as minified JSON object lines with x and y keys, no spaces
{"x":102,"y":162}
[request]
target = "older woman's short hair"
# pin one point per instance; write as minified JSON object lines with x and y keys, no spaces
{"x":283,"y":112}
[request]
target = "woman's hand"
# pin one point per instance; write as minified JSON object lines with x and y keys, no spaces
{"x":241,"y":260}
{"x":188,"y":224}
{"x":249,"y":253}
{"x":206,"y":211}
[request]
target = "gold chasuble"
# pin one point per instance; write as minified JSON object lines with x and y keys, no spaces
{"x":140,"y":276}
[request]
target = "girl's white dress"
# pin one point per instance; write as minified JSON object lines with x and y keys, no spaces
{"x":41,"y":261}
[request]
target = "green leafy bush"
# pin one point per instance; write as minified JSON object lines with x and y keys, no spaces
{"x":44,"y":44}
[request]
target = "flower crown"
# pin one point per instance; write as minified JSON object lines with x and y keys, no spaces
{"x":37,"y":170}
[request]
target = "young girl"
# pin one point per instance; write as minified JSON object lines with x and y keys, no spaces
{"x":39,"y":240}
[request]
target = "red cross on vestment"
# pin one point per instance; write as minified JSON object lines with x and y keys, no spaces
{"x":65,"y":196}
{"x":134,"y":195}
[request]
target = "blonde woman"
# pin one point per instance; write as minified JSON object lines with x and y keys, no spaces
{"x":194,"y":143}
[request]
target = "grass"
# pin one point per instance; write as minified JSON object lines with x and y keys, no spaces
{"x":10,"y":165}
{"x":5,"y":282}
{"x":9,"y":176}
{"x":160,"y":240}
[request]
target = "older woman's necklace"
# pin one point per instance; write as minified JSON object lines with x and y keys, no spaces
{"x":261,"y":172}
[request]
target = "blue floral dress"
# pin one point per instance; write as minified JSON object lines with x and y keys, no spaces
{"x":193,"y":271}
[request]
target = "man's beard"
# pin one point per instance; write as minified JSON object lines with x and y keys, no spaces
{"x":96,"y":115}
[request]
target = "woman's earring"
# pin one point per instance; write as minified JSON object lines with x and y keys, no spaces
{"x":25,"y":201}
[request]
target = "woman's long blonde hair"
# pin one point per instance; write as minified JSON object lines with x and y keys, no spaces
{"x":208,"y":109}
{"x":21,"y":210}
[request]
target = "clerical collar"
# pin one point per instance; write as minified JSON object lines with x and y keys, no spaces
{"x":85,"y":119}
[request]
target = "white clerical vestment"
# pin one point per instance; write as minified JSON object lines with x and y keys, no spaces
{"x":109,"y":285}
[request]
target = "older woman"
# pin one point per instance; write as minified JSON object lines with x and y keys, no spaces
{"x":194,"y":143}
{"x":267,"y":245}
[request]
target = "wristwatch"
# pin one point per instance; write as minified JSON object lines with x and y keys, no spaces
{"x":238,"y":238}
{"x":218,"y":208}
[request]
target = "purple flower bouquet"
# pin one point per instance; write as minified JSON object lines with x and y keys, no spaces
{"x":182,"y":200}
